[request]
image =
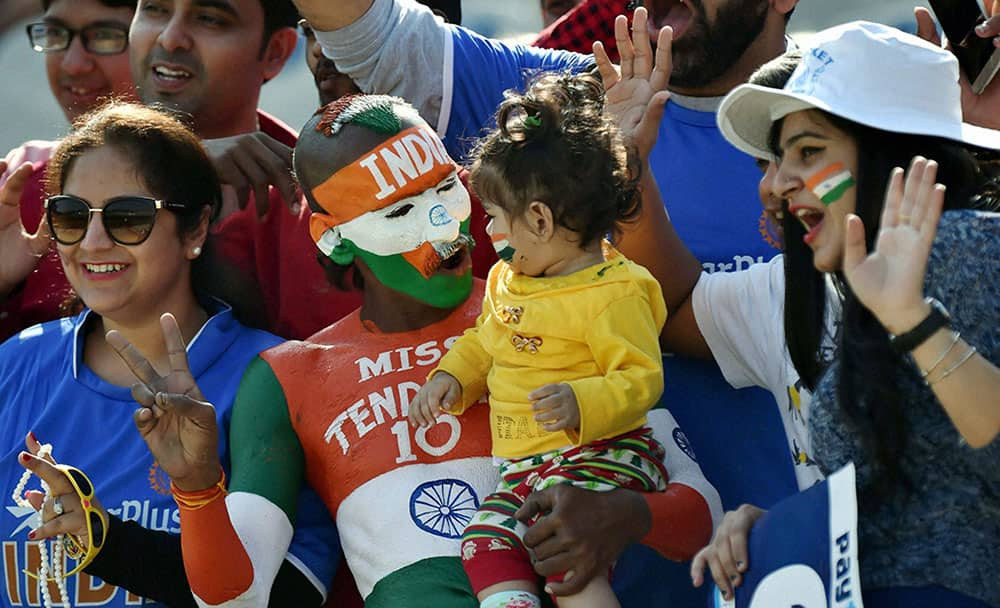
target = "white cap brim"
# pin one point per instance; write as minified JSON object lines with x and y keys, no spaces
{"x":748,"y":113}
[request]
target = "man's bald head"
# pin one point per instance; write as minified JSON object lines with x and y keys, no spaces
{"x":344,"y":132}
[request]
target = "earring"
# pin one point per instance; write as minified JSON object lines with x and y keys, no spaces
{"x":196,"y":251}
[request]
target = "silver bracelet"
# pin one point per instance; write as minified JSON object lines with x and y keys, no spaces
{"x":968,"y":355}
{"x":954,"y":340}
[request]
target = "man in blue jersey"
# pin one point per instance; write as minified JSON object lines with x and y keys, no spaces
{"x":456,"y":79}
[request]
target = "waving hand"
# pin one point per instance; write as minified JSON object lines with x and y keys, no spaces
{"x":19,"y":249}
{"x":636,"y":95}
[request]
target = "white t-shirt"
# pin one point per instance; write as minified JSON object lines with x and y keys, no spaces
{"x":741,"y":316}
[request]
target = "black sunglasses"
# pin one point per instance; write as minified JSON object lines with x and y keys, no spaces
{"x":98,"y":38}
{"x":128,"y":220}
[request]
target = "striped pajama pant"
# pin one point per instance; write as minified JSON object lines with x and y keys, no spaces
{"x":492,"y":548}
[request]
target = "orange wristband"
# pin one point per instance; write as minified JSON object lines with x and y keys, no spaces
{"x":192,"y":501}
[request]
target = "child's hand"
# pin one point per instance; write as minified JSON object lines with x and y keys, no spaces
{"x":439,"y":394}
{"x":555,"y":407}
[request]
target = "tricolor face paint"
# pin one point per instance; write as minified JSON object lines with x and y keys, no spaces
{"x":504,"y":251}
{"x":400,"y":206}
{"x":831,"y":183}
{"x":816,"y":176}
{"x":432,"y":216}
{"x":499,"y":228}
{"x":448,"y":285}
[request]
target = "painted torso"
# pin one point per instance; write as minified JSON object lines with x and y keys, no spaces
{"x":348,"y":391}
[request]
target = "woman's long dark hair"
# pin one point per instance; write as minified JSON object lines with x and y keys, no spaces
{"x":868,"y":397}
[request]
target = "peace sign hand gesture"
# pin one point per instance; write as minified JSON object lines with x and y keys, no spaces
{"x":176,"y":422}
{"x":890,"y":280}
{"x":636,"y":96}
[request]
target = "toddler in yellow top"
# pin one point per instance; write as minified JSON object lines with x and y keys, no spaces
{"x":567,"y":342}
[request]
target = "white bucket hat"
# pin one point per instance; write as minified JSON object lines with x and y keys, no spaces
{"x":865,"y":72}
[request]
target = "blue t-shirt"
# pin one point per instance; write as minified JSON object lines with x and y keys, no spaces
{"x":483,"y":70}
{"x":45,"y":387}
{"x":710,"y":190}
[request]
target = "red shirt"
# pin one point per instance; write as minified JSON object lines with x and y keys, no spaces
{"x":276,"y":251}
{"x":44,"y":294}
{"x":588,"y":21}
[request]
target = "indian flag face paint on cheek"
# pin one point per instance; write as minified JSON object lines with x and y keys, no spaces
{"x":503,"y":248}
{"x":830,"y":183}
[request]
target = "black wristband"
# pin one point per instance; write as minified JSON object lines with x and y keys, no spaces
{"x":907,"y":341}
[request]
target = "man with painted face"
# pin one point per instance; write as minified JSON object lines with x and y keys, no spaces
{"x":334,"y":409}
{"x":457,"y":80}
{"x":409,"y":179}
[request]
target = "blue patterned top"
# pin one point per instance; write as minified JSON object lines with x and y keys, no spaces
{"x":947,"y":532}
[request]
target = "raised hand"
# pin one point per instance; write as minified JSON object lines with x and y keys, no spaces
{"x":252,"y":162}
{"x":436,"y":396}
{"x":637,"y":94}
{"x":176,"y":422}
{"x":19,"y":249}
{"x":324,"y":15}
{"x":982,"y":109}
{"x":890,"y":280}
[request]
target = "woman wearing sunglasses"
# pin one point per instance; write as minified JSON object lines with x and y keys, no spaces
{"x":83,"y":46}
{"x":133,"y":196}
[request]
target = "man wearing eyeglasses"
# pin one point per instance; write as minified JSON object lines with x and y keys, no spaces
{"x":209,"y":60}
{"x":84,"y":43}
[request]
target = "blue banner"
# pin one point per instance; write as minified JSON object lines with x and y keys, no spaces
{"x":804,"y":551}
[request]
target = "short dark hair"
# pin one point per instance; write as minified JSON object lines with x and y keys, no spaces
{"x":153,"y":141}
{"x":108,"y":3}
{"x":278,"y":14}
{"x":555,"y":144}
{"x":775,"y":73}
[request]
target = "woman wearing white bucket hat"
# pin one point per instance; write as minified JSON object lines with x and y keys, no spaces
{"x":907,"y":384}
{"x":847,"y":160}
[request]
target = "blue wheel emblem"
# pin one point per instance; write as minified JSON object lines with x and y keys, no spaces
{"x":682,"y":442}
{"x":443,"y":507}
{"x":439,"y":216}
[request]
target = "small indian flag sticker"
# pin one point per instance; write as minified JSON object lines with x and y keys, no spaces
{"x":502,"y":246}
{"x":830,"y":183}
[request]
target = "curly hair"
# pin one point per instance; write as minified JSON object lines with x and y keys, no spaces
{"x":555,"y":144}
